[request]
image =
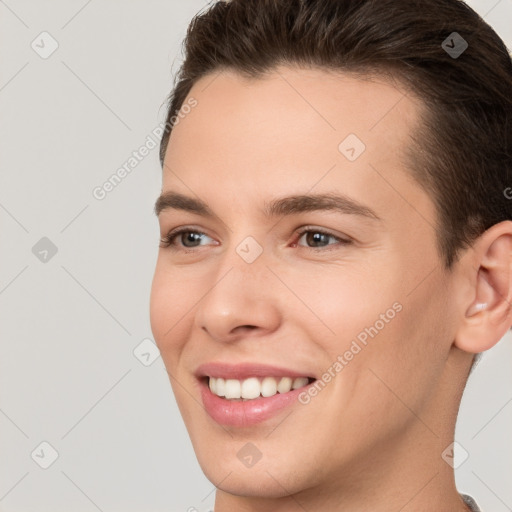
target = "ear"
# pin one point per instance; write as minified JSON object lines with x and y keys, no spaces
{"x":487,"y":313}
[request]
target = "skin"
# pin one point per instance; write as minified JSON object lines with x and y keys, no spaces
{"x":372,"y":439}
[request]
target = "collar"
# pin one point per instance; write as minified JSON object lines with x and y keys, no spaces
{"x":470,"y":502}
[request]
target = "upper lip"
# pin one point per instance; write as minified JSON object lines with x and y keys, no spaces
{"x":245,"y":370}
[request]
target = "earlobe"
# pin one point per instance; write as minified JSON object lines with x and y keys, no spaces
{"x":488,"y":316}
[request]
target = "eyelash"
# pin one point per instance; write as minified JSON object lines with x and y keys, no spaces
{"x":169,"y":239}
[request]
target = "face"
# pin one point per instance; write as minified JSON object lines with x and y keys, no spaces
{"x":353,"y":295}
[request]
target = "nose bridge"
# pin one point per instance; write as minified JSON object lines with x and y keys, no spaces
{"x":245,"y":259}
{"x":240,"y":294}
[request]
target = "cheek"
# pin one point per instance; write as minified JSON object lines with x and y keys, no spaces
{"x":159,"y":306}
{"x":399,"y":365}
{"x":168,"y":310}
{"x":365,"y":319}
{"x":347,"y":301}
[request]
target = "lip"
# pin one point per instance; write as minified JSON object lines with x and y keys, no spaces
{"x":245,"y":370}
{"x":250,"y":412}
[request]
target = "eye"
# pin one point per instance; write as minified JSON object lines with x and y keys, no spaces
{"x":188,"y":241}
{"x":319,"y":238}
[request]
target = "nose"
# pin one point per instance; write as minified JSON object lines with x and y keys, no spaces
{"x":242,"y":300}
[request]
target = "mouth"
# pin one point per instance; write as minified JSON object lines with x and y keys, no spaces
{"x":247,"y":394}
{"x":253,"y":388}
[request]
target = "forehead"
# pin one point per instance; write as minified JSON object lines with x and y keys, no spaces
{"x":291,"y":131}
{"x":300,"y":98}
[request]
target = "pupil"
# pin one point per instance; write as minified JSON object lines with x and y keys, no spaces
{"x":190,"y":237}
{"x":316,"y":237}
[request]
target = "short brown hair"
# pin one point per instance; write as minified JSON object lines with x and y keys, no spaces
{"x":461,"y":153}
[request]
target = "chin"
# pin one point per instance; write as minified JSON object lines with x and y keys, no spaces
{"x":251,"y":485}
{"x":265,"y":479}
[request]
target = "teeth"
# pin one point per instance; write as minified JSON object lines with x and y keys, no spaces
{"x":285,"y":384}
{"x":220,"y":387}
{"x":233,"y":388}
{"x":254,"y":387}
{"x":299,"y":382}
{"x":268,"y":386}
{"x":250,"y":388}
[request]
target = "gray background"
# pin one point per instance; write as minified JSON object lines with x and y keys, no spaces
{"x":70,"y":324}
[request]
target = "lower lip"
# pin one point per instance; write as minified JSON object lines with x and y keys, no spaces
{"x":250,"y":412}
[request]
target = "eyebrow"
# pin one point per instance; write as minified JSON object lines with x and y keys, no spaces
{"x":277,"y":207}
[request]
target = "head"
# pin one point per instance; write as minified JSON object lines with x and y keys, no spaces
{"x":359,"y":99}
